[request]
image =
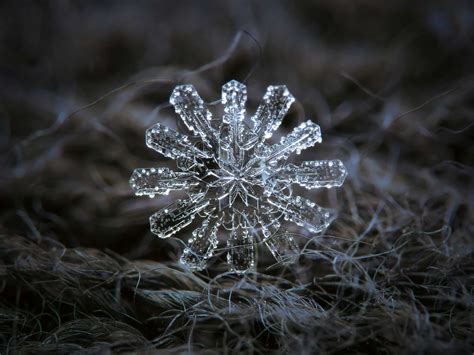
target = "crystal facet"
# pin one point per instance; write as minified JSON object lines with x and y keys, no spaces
{"x":235,"y":180}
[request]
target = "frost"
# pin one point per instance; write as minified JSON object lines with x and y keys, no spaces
{"x":235,"y":180}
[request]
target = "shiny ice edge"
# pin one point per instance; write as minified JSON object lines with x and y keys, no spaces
{"x":235,"y":180}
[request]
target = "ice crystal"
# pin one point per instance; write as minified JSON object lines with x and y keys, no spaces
{"x":234,"y":179}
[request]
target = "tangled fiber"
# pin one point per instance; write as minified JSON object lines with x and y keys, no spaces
{"x":390,"y":84}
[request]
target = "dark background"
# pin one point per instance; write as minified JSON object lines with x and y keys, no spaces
{"x":390,"y":84}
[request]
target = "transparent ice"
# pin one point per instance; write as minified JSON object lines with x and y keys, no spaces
{"x":234,"y":179}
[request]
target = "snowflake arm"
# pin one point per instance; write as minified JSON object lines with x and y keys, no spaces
{"x":276,"y":103}
{"x":302,"y":212}
{"x":153,"y":181}
{"x":304,"y":136}
{"x":234,"y":97}
{"x":241,"y":254}
{"x":314,"y":174}
{"x":202,"y":244}
{"x":172,"y":144}
{"x":178,"y":215}
{"x":192,"y":110}
{"x":282,"y":245}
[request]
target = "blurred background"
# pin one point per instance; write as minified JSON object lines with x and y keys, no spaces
{"x":390,"y":84}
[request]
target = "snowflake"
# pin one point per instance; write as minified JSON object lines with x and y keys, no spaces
{"x":234,"y":179}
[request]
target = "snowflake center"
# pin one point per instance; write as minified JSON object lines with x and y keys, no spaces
{"x":233,"y":186}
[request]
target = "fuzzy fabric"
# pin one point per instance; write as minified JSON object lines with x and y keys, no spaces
{"x":390,"y":84}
